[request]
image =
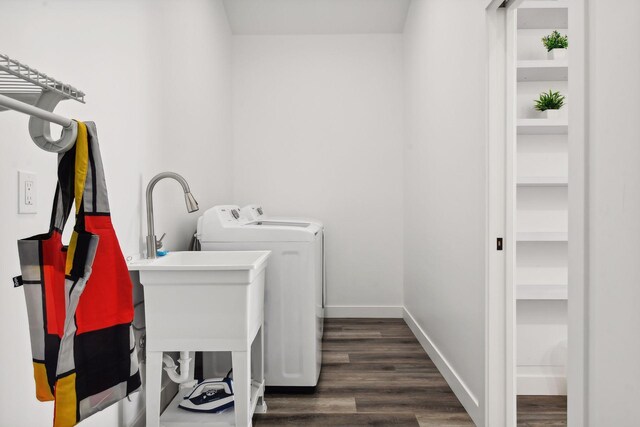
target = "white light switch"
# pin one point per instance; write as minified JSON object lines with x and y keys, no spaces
{"x":27,"y":193}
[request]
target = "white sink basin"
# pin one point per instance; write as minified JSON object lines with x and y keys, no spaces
{"x":193,"y":299}
{"x":207,"y":260}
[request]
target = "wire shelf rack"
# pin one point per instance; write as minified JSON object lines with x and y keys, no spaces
{"x":18,"y":80}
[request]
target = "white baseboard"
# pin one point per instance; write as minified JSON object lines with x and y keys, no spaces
{"x":541,"y":380}
{"x":362,"y":312}
{"x":466,"y":397}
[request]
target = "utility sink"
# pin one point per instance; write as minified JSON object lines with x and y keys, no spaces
{"x":194,"y":298}
{"x":211,"y":301}
{"x":208,"y":260}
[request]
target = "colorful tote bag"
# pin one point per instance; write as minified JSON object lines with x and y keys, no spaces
{"x":79,"y":298}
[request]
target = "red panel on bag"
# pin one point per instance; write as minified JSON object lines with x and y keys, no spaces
{"x":107,"y":299}
{"x":53,"y":263}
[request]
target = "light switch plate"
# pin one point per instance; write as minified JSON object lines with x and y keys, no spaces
{"x":27,"y":193}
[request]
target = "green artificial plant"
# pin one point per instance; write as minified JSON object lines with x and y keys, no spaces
{"x":555,"y":40}
{"x":549,"y":101}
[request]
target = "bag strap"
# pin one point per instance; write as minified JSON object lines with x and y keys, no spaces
{"x":96,"y":198}
{"x":63,"y":199}
{"x":81,"y":166}
{"x":73,"y":167}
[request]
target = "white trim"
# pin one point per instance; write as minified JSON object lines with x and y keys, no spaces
{"x":462,"y":392}
{"x":492,"y":4}
{"x":542,"y":380}
{"x":363,"y":312}
{"x":514,"y":4}
{"x":578,"y":323}
{"x":495,"y":327}
{"x":511,"y":30}
{"x":138,"y":421}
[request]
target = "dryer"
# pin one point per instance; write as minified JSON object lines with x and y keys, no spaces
{"x":293,"y":309}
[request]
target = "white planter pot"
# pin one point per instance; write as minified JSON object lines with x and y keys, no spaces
{"x":551,"y":114}
{"x":557,"y":54}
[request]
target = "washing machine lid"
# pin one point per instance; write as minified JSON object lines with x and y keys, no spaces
{"x":281,"y":223}
{"x":221,"y":224}
{"x":257,"y":213}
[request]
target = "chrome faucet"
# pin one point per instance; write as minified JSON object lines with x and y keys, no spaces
{"x":192,"y":206}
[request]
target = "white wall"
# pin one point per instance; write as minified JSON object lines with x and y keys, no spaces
{"x":91,"y":55}
{"x":131,"y":59}
{"x":318,"y":132}
{"x":613,"y":212}
{"x":445,"y":219}
{"x":194,"y":53}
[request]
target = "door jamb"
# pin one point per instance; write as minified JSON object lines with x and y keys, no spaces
{"x":578,"y":304}
{"x":500,"y":400}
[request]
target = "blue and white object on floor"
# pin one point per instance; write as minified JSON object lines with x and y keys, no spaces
{"x":212,"y":395}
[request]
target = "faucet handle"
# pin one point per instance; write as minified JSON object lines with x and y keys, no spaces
{"x":159,"y":241}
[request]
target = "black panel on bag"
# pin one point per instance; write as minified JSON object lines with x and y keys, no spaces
{"x":51,"y":348}
{"x":102,"y":360}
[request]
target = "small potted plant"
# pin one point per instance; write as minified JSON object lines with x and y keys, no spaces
{"x":556,"y":45}
{"x":549,"y":103}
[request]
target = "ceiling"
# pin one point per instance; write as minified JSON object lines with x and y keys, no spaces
{"x":316,"y":16}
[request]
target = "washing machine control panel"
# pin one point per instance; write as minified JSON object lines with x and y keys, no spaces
{"x":252,"y":212}
{"x":229,"y":213}
{"x":257,"y":211}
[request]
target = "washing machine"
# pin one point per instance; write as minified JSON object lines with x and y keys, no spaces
{"x":256,"y":213}
{"x":293,"y":309}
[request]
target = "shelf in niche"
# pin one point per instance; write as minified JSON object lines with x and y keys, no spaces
{"x":543,"y":70}
{"x":544,"y":15}
{"x":543,"y":126}
{"x":542,"y":236}
{"x":542,"y":292}
{"x":543,"y":181}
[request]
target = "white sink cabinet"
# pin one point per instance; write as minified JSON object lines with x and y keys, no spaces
{"x":205,"y":301}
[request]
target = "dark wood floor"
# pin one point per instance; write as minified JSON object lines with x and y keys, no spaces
{"x":375,"y":373}
{"x":542,"y":411}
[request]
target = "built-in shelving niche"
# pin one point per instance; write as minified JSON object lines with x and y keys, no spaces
{"x":541,"y":276}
